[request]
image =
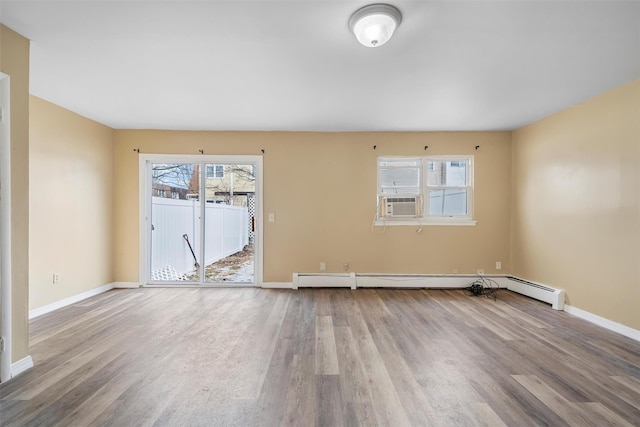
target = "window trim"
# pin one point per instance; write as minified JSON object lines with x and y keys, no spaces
{"x":426,"y":219}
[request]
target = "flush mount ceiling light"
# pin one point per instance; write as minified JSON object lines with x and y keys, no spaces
{"x":373,"y":25}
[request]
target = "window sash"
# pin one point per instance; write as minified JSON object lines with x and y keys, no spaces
{"x":399,"y":175}
{"x":449,"y":188}
{"x":446,"y":172}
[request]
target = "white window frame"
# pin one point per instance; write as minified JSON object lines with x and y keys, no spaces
{"x":424,"y":218}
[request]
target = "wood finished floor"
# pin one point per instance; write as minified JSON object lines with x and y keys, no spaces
{"x":249,"y":357}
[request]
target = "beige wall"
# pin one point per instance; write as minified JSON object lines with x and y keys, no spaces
{"x":322,"y":188}
{"x":71,"y":199}
{"x":14,"y":61}
{"x":576,"y":214}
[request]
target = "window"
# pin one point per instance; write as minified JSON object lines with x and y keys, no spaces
{"x":443,"y":194}
{"x":215,"y":171}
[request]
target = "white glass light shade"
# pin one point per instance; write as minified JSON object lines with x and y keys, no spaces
{"x":374,"y":25}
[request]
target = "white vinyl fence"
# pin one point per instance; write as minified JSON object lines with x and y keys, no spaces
{"x":226,"y":232}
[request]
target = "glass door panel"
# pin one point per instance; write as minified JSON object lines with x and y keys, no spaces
{"x":175,"y":223}
{"x":230,"y":191}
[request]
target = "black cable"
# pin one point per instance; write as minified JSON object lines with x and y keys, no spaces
{"x":483,"y":286}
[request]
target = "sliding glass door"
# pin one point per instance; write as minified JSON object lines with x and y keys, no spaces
{"x":200,"y":221}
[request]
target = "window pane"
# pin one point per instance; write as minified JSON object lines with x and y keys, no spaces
{"x":400,"y":180}
{"x":448,"y":202}
{"x":229,"y":224}
{"x":449,"y":173}
{"x":175,"y":245}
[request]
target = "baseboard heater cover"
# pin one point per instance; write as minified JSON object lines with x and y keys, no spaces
{"x":429,"y":281}
{"x":324,"y":280}
{"x":377,"y":280}
{"x":552,"y":296}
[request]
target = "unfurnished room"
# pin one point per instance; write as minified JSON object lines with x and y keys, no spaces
{"x":319,"y":213}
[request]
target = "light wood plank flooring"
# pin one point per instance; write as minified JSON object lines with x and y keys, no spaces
{"x":325,"y":357}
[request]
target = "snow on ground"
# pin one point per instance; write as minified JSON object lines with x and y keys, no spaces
{"x":242,"y":273}
{"x":236,"y":268}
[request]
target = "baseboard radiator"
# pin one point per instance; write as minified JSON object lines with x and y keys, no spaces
{"x":426,"y":281}
{"x":324,"y":280}
{"x":552,"y":296}
{"x":372,"y":280}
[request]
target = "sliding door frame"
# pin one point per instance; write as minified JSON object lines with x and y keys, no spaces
{"x":145,"y":185}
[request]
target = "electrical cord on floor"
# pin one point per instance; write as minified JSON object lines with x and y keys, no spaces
{"x":483,"y":286}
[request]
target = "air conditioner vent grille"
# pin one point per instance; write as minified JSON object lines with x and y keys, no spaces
{"x":400,"y":207}
{"x":401,"y":199}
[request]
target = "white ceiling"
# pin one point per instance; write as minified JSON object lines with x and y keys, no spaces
{"x":294,"y":65}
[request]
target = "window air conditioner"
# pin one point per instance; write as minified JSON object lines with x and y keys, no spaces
{"x":400,"y":207}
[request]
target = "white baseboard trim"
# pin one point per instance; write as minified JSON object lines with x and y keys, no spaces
{"x":126,"y":285}
{"x":36,"y":312}
{"x":277,"y":285}
{"x":21,"y":365}
{"x":605,"y":323}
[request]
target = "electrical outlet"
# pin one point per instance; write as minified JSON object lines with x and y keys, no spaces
{"x":323,"y":266}
{"x":498,"y":265}
{"x":271,"y":217}
{"x":56,"y":278}
{"x":480,"y":271}
{"x":345,"y":266}
{"x":455,"y":271}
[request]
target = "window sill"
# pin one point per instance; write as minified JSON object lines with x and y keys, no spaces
{"x":425,"y":223}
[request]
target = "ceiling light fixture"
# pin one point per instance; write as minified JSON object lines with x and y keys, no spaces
{"x":373,"y":25}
